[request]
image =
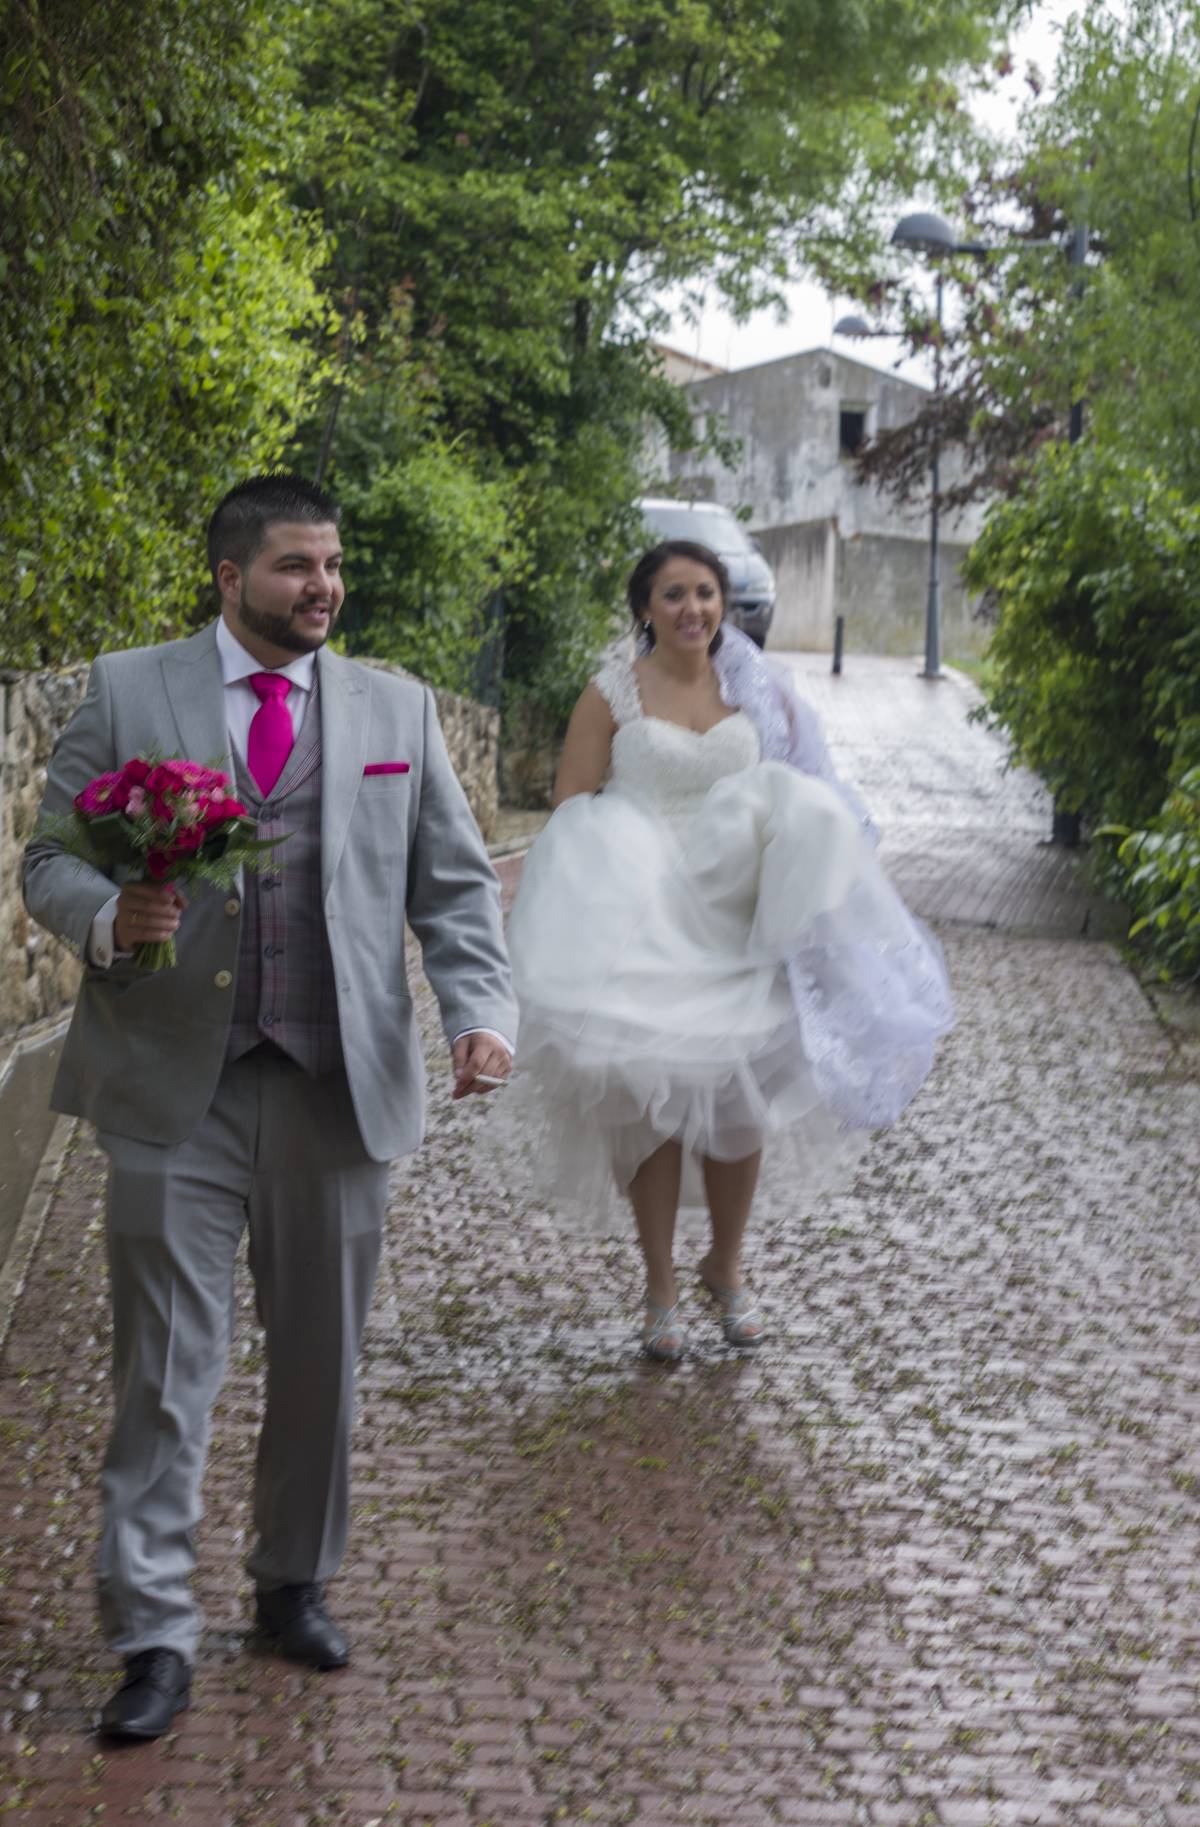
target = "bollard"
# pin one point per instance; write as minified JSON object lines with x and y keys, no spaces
{"x":839,"y":635}
{"x":1065,"y":828}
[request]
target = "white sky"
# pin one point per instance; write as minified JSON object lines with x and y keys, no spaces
{"x":811,"y":312}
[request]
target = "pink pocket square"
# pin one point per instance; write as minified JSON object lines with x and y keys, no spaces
{"x":385,"y":767}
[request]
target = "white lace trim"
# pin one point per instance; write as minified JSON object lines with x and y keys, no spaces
{"x":619,"y":686}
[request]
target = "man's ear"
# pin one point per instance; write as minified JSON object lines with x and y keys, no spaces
{"x":229,"y":580}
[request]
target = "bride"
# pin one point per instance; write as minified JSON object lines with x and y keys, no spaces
{"x":706,"y":951}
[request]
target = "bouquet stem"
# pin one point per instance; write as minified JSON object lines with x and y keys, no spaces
{"x":157,"y":955}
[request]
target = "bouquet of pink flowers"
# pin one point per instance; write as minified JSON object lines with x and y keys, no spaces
{"x":162,"y":821}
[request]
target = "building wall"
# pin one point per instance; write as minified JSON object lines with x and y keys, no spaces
{"x":836,"y":546}
{"x":38,"y":976}
{"x":804,"y":559}
{"x":880,"y":586}
{"x":883,"y":591}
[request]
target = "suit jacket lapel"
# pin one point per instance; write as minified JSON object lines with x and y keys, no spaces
{"x":344,"y":705}
{"x":195,"y":691}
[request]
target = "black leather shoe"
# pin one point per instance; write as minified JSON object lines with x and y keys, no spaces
{"x":155,"y":1688}
{"x":299,"y":1627}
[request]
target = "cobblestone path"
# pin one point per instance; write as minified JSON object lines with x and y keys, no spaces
{"x":929,"y":1560}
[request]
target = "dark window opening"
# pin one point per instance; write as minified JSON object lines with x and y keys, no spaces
{"x":852,"y":430}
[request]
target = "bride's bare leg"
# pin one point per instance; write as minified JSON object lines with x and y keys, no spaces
{"x":729,"y":1187}
{"x":654,"y":1196}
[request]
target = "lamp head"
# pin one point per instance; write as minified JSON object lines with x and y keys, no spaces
{"x":853,"y":326}
{"x":930,"y":234}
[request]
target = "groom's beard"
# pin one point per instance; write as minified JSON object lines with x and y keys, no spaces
{"x":280,"y":630}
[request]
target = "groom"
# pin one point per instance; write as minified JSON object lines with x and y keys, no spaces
{"x":269,"y":1078}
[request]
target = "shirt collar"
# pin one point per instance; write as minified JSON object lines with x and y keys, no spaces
{"x":238,"y":664}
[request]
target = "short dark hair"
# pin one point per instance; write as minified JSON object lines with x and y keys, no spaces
{"x":648,"y":566}
{"x":240,"y":520}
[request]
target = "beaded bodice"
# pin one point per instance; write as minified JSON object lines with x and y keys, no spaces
{"x":663,"y":765}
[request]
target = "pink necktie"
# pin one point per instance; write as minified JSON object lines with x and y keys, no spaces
{"x":271,"y":732}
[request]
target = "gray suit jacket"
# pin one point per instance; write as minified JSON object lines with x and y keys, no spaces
{"x":144,"y":1051}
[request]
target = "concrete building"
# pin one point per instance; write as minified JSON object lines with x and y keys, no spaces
{"x":680,"y":367}
{"x":837,"y":547}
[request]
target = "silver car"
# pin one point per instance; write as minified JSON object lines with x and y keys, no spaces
{"x":751,"y":580}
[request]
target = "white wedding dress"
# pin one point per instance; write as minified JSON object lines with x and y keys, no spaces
{"x":708,"y":951}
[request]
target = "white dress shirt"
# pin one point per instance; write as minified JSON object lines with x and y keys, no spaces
{"x":241,"y":702}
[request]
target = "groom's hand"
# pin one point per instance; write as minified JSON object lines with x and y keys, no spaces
{"x":478,"y":1057}
{"x":147,"y":913}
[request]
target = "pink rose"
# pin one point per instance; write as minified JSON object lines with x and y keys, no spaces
{"x":136,"y":801}
{"x":99,"y":796}
{"x":136,"y":772}
{"x":220,"y":811}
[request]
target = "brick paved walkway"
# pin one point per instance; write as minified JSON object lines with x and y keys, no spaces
{"x":931,"y":1560}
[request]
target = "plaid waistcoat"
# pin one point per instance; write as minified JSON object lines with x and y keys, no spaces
{"x":285,"y":988}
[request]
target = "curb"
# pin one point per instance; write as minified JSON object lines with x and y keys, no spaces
{"x":26,"y":1040}
{"x":28,"y":1233}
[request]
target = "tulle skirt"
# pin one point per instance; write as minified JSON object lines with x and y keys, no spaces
{"x":716,"y":978}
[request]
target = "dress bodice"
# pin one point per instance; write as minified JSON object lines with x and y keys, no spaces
{"x":663,"y":765}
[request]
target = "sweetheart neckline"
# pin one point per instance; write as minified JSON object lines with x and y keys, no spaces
{"x":686,"y":728}
{"x":645,"y":716}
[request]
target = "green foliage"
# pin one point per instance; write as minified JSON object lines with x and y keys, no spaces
{"x":1092,"y":560}
{"x":159,"y":318}
{"x":1095,"y":661}
{"x":1160,"y":870}
{"x":521,"y":179}
{"x":416,"y":245}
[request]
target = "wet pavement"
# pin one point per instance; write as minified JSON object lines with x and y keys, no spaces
{"x":928,"y":1560}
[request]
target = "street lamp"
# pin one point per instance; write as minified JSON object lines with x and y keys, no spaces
{"x":929,"y":234}
{"x":926,"y":233}
{"x":858,"y":327}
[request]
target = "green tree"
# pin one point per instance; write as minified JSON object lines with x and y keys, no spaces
{"x":1091,"y":558}
{"x":528,"y":176}
{"x":160,"y":324}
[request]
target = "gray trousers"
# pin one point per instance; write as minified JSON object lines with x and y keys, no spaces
{"x":280,"y":1152}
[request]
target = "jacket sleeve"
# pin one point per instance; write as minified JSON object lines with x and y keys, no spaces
{"x":63,"y":894}
{"x":454,"y":900}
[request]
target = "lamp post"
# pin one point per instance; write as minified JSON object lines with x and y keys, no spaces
{"x":925,"y":233}
{"x":929,"y":234}
{"x":858,"y":327}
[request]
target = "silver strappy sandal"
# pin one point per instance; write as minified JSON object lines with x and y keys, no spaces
{"x":742,"y":1320}
{"x":663,"y":1338}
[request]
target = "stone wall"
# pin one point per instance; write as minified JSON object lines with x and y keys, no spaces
{"x":38,"y":977}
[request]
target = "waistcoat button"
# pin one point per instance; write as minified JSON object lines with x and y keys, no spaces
{"x":223,"y":979}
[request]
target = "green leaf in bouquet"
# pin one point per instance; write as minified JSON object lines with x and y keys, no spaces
{"x":110,"y":838}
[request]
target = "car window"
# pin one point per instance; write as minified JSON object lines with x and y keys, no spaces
{"x":714,"y":527}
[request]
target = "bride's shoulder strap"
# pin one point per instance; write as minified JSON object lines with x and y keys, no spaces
{"x":616,"y":682}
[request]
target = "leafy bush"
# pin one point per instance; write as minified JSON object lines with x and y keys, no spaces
{"x":1161,"y":872}
{"x":1094,"y":568}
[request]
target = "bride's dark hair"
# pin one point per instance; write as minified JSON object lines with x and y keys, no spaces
{"x":647,"y":568}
